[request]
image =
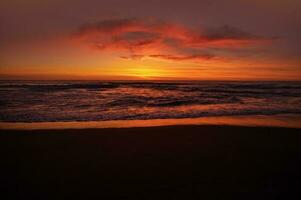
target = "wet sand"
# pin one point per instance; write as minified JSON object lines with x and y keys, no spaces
{"x":172,"y":162}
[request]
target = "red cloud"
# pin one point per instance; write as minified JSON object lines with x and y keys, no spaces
{"x":181,"y":57}
{"x":162,"y":40}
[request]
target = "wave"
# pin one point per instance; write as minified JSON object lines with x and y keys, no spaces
{"x":91,"y":101}
{"x":59,"y":87}
{"x":140,"y":116}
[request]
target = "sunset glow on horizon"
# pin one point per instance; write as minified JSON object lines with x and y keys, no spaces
{"x":40,"y":40}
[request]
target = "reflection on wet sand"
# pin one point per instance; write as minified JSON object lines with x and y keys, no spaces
{"x":292,"y":121}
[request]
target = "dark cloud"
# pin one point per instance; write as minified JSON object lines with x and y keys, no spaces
{"x":137,"y":38}
{"x":164,"y":40}
{"x":107,"y":26}
{"x":228,"y":32}
{"x":133,"y":57}
{"x":181,"y":57}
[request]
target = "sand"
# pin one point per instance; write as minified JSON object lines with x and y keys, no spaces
{"x":172,"y":162}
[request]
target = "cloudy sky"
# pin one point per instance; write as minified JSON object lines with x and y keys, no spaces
{"x":153,"y":39}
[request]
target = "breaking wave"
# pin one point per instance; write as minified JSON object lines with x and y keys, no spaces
{"x":47,"y":101}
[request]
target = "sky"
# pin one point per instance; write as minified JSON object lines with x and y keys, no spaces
{"x":150,"y":40}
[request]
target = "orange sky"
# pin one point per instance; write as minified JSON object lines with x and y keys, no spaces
{"x":145,"y":45}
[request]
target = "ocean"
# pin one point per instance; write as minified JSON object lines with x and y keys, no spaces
{"x":81,"y":101}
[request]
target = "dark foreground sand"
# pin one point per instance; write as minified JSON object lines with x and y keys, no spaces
{"x":177,"y":162}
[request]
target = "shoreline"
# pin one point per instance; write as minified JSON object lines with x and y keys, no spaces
{"x":286,"y":121}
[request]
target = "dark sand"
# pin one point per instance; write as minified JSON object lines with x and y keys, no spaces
{"x":176,"y":162}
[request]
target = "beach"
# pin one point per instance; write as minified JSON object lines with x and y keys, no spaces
{"x":165,"y":162}
{"x":150,"y":100}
